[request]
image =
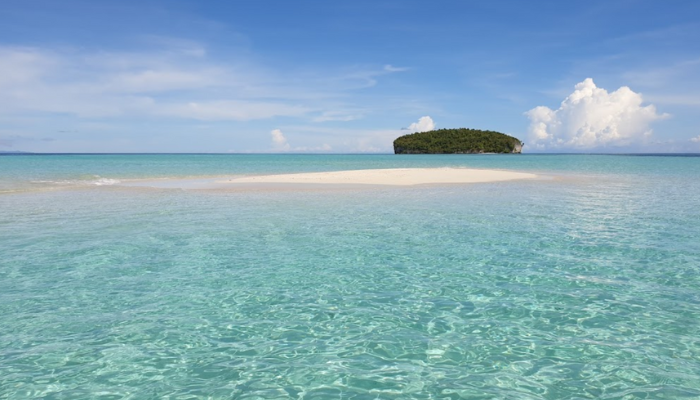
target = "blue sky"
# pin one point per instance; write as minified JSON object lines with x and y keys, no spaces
{"x":327,"y":76}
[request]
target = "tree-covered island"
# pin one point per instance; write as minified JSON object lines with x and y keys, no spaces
{"x":457,"y":141}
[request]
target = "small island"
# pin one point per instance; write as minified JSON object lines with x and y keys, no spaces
{"x":457,"y":141}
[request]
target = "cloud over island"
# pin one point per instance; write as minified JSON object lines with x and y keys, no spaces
{"x":424,"y":124}
{"x":591,"y":117}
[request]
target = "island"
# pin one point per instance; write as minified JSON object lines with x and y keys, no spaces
{"x":457,"y":141}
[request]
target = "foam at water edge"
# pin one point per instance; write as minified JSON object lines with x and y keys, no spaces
{"x":106,"y":182}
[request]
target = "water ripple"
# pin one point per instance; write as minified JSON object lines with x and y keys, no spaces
{"x":538,"y":290}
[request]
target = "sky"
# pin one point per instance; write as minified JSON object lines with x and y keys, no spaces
{"x":614,"y":76}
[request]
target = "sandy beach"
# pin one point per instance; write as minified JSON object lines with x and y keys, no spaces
{"x":389,"y":177}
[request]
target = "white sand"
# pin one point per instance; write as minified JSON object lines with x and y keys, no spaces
{"x":394,"y":177}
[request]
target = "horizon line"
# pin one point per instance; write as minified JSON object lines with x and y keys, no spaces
{"x":20,"y":153}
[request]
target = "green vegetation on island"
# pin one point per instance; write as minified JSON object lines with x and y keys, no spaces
{"x":457,"y":141}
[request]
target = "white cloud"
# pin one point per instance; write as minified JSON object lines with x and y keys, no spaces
{"x":424,"y":124}
{"x":591,"y":117}
{"x":19,"y":66}
{"x":179,"y":79}
{"x":177,"y":83}
{"x":156,"y":84}
{"x":696,"y":139}
{"x":279,"y":142}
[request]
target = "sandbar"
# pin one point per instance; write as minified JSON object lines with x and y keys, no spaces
{"x":387,"y":177}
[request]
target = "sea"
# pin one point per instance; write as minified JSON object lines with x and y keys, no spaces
{"x":129,"y":277}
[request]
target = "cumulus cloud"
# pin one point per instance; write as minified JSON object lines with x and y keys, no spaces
{"x":591,"y":117}
{"x":279,"y":142}
{"x":424,"y":124}
{"x":696,"y":139}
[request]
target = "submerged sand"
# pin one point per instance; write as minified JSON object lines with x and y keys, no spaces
{"x":392,"y":177}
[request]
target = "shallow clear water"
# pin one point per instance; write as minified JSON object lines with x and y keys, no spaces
{"x":582,"y":285}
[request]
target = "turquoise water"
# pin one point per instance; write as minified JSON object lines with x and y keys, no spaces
{"x":583,"y":284}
